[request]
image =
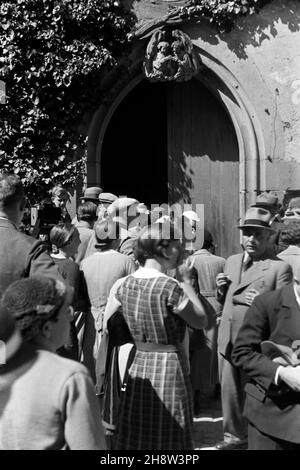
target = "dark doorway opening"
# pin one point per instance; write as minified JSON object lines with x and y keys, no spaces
{"x":134,"y":152}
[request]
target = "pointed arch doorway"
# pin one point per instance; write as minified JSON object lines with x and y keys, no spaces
{"x":172,"y":143}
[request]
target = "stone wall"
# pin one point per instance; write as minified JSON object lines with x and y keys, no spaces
{"x":263,"y":54}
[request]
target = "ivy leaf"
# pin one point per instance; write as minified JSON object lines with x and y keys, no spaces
{"x":52,"y":78}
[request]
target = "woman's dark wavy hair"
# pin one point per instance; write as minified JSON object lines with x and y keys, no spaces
{"x":61,"y":234}
{"x":153,"y":239}
{"x":87,"y":211}
{"x":290,"y":233}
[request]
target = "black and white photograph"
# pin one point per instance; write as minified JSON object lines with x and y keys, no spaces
{"x":149,"y":227}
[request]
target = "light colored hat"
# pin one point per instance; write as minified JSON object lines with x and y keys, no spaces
{"x":293,"y":210}
{"x":257,"y":217}
{"x":120,"y":204}
{"x":192,"y":216}
{"x":91,"y":194}
{"x":107,"y":197}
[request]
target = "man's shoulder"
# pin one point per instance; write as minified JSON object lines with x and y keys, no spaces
{"x":235,"y":258}
{"x":61,"y":366}
{"x":218,"y":259}
{"x":278,"y":263}
{"x":120,"y":256}
{"x":21,"y":238}
{"x":205,"y":254}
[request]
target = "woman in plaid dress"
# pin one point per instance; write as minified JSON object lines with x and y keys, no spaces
{"x":156,"y":406}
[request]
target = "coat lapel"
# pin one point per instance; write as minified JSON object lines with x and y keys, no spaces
{"x":233,"y":270}
{"x":291,"y":308}
{"x":255,"y":272}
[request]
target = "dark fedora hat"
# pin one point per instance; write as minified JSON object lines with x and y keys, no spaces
{"x":91,"y":194}
{"x":257,"y":217}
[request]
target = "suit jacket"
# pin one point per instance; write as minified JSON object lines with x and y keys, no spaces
{"x":22,"y":256}
{"x":273,"y":316}
{"x":85,"y":234}
{"x":208,"y":266}
{"x":292,"y":256}
{"x":265,"y":275}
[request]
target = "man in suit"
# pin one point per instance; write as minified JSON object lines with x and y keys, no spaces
{"x":203,"y":343}
{"x":20,"y":255}
{"x":86,"y":218}
{"x":290,"y":236}
{"x":272,"y":405}
{"x":245,"y":276}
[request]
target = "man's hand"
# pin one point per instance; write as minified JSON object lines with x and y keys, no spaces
{"x":185,"y":270}
{"x":222,"y":281}
{"x":250,"y":296}
{"x":291,"y":376}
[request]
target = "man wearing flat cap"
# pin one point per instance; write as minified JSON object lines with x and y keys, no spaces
{"x":90,"y":195}
{"x":245,"y":276}
{"x":105,"y":200}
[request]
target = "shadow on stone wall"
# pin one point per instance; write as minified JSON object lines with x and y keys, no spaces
{"x":255,"y":29}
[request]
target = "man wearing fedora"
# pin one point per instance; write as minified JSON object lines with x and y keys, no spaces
{"x":245,"y":276}
{"x":91,"y":194}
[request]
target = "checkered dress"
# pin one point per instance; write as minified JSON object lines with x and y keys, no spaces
{"x":156,"y":407}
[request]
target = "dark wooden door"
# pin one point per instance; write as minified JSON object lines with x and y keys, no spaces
{"x":174,"y":142}
{"x":203,"y":160}
{"x":134,"y":152}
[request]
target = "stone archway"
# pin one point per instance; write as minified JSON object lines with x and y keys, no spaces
{"x":231,"y":96}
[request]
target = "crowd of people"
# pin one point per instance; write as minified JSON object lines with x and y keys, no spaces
{"x":117,"y":326}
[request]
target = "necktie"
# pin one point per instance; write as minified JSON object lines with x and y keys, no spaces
{"x":246,"y":265}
